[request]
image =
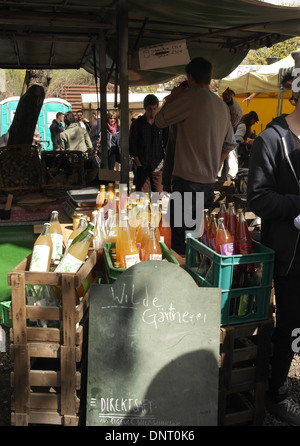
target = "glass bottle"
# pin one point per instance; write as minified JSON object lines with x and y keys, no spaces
{"x":76,"y":254}
{"x":113,"y":230}
{"x":223,"y":211}
{"x":128,"y":251}
{"x":243,"y":241}
{"x":122,"y":215}
{"x":152,"y":249}
{"x":57,"y":237}
{"x":231,"y":219}
{"x":80,"y":227}
{"x":81,"y":235}
{"x":165,"y":230}
{"x":101,"y":199}
{"x":110,"y":195}
{"x":154,"y":219}
{"x":212,"y":231}
{"x":205,"y":224}
{"x":224,"y":240}
{"x":42,"y":251}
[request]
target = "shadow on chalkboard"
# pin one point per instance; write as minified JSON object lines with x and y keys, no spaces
{"x":183,"y":393}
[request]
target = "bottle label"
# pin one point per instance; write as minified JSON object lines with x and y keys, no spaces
{"x":57,"y":241}
{"x":155,"y":257}
{"x":68,"y":264}
{"x":227,"y":249}
{"x":39,"y":258}
{"x":131,"y":260}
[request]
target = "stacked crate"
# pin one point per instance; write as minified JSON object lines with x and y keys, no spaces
{"x":49,"y":363}
{"x":245,"y":352}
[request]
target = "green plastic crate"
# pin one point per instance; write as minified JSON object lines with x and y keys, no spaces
{"x":111,"y":274}
{"x":221,"y":276}
{"x":4,"y":313}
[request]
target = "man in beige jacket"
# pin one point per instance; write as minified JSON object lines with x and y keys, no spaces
{"x":74,"y":137}
{"x":203,"y":141}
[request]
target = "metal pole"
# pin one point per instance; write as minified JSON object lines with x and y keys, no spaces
{"x":103,"y":100}
{"x":124,"y":109}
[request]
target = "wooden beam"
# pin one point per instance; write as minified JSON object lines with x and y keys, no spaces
{"x":103,"y":101}
{"x":124,"y":111}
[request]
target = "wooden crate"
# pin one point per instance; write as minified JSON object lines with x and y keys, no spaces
{"x":49,"y":363}
{"x":245,"y":352}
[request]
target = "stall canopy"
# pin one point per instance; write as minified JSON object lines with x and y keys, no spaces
{"x":63,"y":34}
{"x":266,"y":80}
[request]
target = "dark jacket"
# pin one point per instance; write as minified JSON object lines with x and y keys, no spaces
{"x":55,"y":129}
{"x":147,"y":142}
{"x":113,"y":139}
{"x":273,"y":191}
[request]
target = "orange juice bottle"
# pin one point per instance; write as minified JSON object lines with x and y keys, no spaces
{"x":76,"y":254}
{"x":42,"y":251}
{"x":57,"y":237}
{"x":128,"y":251}
{"x":165,"y":230}
{"x":224,"y":240}
{"x":80,"y":227}
{"x":152,"y":249}
{"x":122,"y":215}
{"x":101,"y":199}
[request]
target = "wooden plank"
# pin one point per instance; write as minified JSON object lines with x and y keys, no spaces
{"x":44,"y":378}
{"x":68,"y":310}
{"x":242,"y":375}
{"x":44,"y":334}
{"x":68,"y":380}
{"x":244,"y":354}
{"x":44,"y":401}
{"x":70,"y":420}
{"x":47,"y":378}
{"x":44,"y":349}
{"x":42,"y":417}
{"x":48,"y":313}
{"x":18,"y":308}
{"x":83,"y":307}
{"x":19,"y":419}
{"x":21,"y":378}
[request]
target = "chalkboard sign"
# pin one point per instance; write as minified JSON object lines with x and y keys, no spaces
{"x":153,"y":349}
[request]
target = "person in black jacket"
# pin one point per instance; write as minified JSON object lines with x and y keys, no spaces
{"x":274,"y":195}
{"x":55,"y":129}
{"x":146,"y":146}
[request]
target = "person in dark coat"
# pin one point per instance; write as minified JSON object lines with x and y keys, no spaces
{"x":55,"y":129}
{"x":274,"y":195}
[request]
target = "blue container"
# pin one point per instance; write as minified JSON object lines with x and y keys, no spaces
{"x":48,"y":112}
{"x":238,"y":305}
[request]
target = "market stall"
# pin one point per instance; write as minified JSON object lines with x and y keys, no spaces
{"x":109,"y":40}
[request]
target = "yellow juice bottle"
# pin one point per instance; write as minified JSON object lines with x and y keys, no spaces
{"x":76,"y":255}
{"x":42,"y":251}
{"x":80,"y":227}
{"x":57,"y":237}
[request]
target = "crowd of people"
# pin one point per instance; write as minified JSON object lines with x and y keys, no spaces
{"x":70,"y":132}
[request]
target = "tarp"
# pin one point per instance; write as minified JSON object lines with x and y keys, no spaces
{"x":55,"y":34}
{"x":265,"y":80}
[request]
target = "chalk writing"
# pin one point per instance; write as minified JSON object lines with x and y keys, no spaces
{"x":155,"y":313}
